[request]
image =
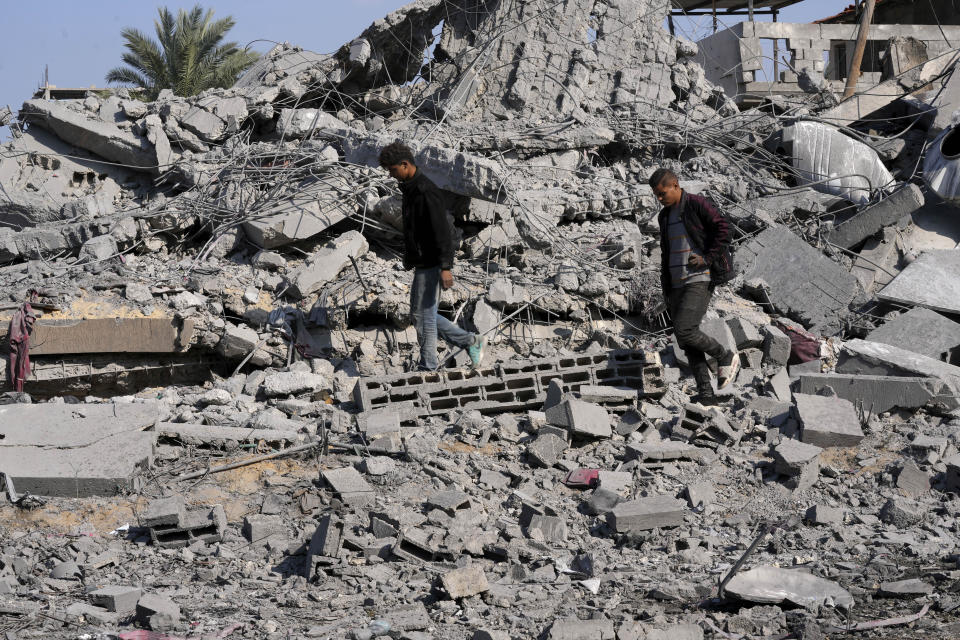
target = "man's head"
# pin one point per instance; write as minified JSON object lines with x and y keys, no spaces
{"x":666,"y":187}
{"x":397,"y":159}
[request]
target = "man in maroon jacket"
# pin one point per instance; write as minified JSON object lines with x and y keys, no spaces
{"x":695,"y":249}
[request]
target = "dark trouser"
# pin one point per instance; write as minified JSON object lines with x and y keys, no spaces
{"x":687,"y":307}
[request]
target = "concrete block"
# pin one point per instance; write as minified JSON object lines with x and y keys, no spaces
{"x":198,"y":524}
{"x":797,"y":279}
{"x":577,"y":629}
{"x":779,"y":386}
{"x":700,"y":494}
{"x":912,"y":588}
{"x":115,"y":598}
{"x":302,"y":123}
{"x":164,"y":511}
{"x":581,"y":418}
{"x":601,"y":501}
{"x":257,"y":527}
{"x":294,"y":383}
{"x":647,"y":513}
{"x":324,"y":265}
{"x":776,"y":346}
{"x":350,"y":485}
{"x":745,"y":335}
{"x":549,"y":529}
{"x":922,"y":331}
{"x":864,"y":357}
{"x":237,"y":341}
{"x":325,"y":544}
{"x":876,"y":394}
{"x":799,"y":461}
{"x":912,"y":481}
{"x":615,"y":480}
{"x":465,"y":582}
{"x":902,"y":512}
{"x":76,"y":450}
{"x":824,"y":514}
{"x":931,"y":281}
{"x":316,"y":207}
{"x":450,"y":501}
{"x":873,"y":218}
{"x":151,"y":604}
{"x":546,"y":449}
{"x":828,"y":421}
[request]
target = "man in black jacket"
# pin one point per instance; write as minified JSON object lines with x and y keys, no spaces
{"x":695,"y":251}
{"x":428,"y":237}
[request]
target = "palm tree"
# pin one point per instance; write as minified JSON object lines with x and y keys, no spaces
{"x":188,"y":58}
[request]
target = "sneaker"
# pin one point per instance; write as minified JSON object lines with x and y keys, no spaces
{"x":727,"y":369}
{"x":475,"y":351}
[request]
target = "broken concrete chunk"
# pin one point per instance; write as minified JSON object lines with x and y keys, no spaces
{"x":164,"y":511}
{"x":116,"y":598}
{"x":647,"y":513}
{"x":931,"y":281}
{"x":895,"y":208}
{"x":922,"y":331}
{"x":465,"y":582}
{"x":576,"y":629}
{"x":745,"y":335}
{"x":824,"y":514}
{"x":350,"y":485}
{"x":324,"y":265}
{"x":828,"y":421}
{"x":601,"y":501}
{"x":293,"y":383}
{"x":912,"y":481}
{"x":797,"y":279}
{"x":549,"y":529}
{"x":237,"y":341}
{"x":905,"y":588}
{"x":301,"y":123}
{"x":876,"y":394}
{"x":773,"y":585}
{"x":152,"y":604}
{"x":776,"y":346}
{"x":581,"y":417}
{"x":902,"y":512}
{"x":799,"y":461}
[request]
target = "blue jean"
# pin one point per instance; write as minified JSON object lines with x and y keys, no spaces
{"x":424,"y":299}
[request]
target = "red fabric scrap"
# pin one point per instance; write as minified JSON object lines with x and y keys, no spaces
{"x":21,"y":324}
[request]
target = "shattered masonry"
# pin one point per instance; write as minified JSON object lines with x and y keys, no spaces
{"x":222,"y":434}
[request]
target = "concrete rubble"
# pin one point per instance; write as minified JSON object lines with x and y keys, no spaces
{"x":224,"y":434}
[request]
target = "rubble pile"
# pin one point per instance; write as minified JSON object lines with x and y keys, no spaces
{"x":216,"y":428}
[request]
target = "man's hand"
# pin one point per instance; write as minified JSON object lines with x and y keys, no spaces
{"x":696,"y":262}
{"x":446,"y":279}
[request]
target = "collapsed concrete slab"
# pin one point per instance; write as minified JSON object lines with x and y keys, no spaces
{"x":76,"y":450}
{"x":110,"y":335}
{"x":797,"y":280}
{"x":324,"y":265}
{"x":863,"y":357}
{"x":922,"y":331}
{"x":461,"y":173}
{"x":894,"y":209}
{"x":104,"y":139}
{"x":876,"y":394}
{"x":316,"y":206}
{"x":932,"y":281}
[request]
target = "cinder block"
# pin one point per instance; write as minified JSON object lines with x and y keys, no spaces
{"x":581,"y":417}
{"x":647,"y":513}
{"x":116,"y":598}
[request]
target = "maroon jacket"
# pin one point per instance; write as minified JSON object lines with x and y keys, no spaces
{"x":709,"y":232}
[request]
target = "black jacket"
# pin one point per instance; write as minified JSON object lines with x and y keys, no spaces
{"x":427,"y":226}
{"x":709,"y":233}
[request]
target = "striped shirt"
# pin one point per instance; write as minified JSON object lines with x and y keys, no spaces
{"x":680,"y":251}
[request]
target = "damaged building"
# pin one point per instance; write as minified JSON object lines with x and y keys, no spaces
{"x":214,"y":427}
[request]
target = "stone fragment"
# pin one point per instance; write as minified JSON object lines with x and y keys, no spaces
{"x":269,"y":260}
{"x":700,"y":494}
{"x":465,"y":582}
{"x":798,"y":460}
{"x":828,"y":421}
{"x":905,"y":588}
{"x":450,"y":501}
{"x":601,"y":501}
{"x":912,"y":480}
{"x":581,"y":417}
{"x":647,"y":513}
{"x":293,"y":383}
{"x":767,"y":584}
{"x":237,"y":341}
{"x":116,"y":598}
{"x":325,"y":544}
{"x":324,"y":265}
{"x":824,"y":514}
{"x":302,"y":123}
{"x":151,"y":604}
{"x":776,"y":346}
{"x":745,"y":335}
{"x":893,"y":209}
{"x":379,"y":465}
{"x":922,"y":331}
{"x":931,"y":281}
{"x":136,"y":292}
{"x":902,"y":512}
{"x":259,"y":528}
{"x":164,"y":512}
{"x":577,"y":629}
{"x":549,"y":529}
{"x":350,"y":485}
{"x":614,"y":480}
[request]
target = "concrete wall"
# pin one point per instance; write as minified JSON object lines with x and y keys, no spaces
{"x":734,"y":58}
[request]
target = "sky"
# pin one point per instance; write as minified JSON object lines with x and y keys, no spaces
{"x":79,"y":41}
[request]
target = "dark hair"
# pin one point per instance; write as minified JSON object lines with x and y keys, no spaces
{"x":662,"y":176}
{"x":395,"y":153}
